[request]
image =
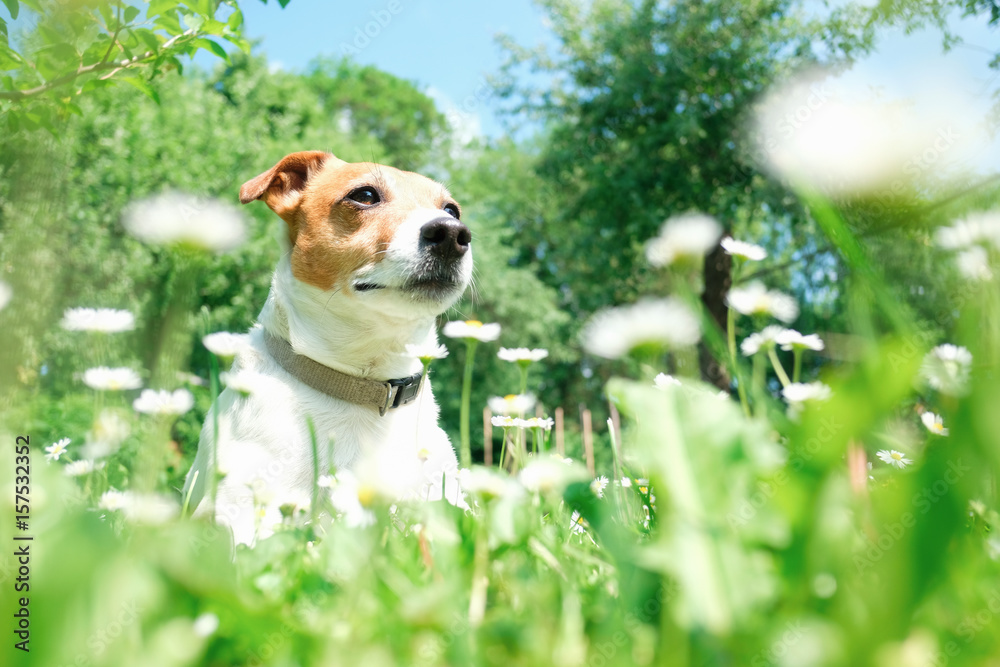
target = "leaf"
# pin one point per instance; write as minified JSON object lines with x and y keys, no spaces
{"x":12,"y":7}
{"x":144,"y":86}
{"x":147,"y":37}
{"x":193,"y":21}
{"x":283,"y":3}
{"x":214,"y":47}
{"x":239,"y":42}
{"x":131,"y":13}
{"x":235,"y":19}
{"x":159,"y":7}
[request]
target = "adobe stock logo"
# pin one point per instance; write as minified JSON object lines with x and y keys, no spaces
{"x":363,"y":36}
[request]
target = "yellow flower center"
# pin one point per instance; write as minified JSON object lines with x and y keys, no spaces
{"x":475,"y":324}
{"x":366,"y":496}
{"x":896,"y":455}
{"x":510,"y":397}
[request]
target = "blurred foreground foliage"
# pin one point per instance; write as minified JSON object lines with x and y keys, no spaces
{"x":721,"y":539}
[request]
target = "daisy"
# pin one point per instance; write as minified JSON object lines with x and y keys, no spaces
{"x":109,"y":429}
{"x":205,"y":625}
{"x":5,"y":294}
{"x":427,"y":352}
{"x":225,"y":344}
{"x":756,"y":299}
{"x":150,"y":508}
{"x":486,"y":483}
{"x":598,"y":485}
{"x":765,"y":339}
{"x":545,"y":474}
{"x":798,"y":392}
{"x":893,"y":458}
{"x":790,"y":339}
{"x":163,"y":402}
{"x":934,"y":423}
{"x":242,"y":382}
{"x":114,"y":500}
{"x":475,"y":329}
{"x":683,"y":237}
{"x":946,"y":368}
{"x":81,"y":467}
{"x":103,"y":320}
{"x":178,"y":219}
{"x":103,"y":378}
{"x":535,"y":422}
{"x":57,"y":449}
{"x":974,"y":263}
{"x":511,"y":404}
{"x":503,"y":421}
{"x":522,"y":355}
{"x":626,"y":482}
{"x":974,"y":228}
{"x":577,"y":523}
{"x":662,"y":381}
{"x":615,"y":332}
{"x":743,"y":250}
{"x":353,"y":500}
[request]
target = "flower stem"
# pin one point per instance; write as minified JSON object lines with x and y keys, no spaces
{"x":797,"y":367}
{"x":466,"y":452}
{"x":734,"y":360}
{"x":778,"y":368}
{"x":213,"y":464}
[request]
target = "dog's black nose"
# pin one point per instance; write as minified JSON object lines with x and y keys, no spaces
{"x":445,"y":237}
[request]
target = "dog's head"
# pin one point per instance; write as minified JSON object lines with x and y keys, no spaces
{"x":391,"y":239}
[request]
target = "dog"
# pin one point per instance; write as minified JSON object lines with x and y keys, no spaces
{"x":374,"y":255}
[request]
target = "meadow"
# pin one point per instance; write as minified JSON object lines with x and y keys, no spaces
{"x":783,"y":325}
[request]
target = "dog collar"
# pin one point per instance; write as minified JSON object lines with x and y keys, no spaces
{"x":384,"y":395}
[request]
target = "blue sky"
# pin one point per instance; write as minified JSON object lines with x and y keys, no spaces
{"x":448,"y":47}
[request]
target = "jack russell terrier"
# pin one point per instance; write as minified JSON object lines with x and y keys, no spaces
{"x":375,"y":254}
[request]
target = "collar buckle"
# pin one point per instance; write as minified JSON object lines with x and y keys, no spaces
{"x":401,"y":392}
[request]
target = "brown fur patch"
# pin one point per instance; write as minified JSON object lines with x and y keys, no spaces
{"x":331,"y":236}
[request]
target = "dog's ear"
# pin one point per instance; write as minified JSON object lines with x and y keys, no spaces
{"x":281,"y":186}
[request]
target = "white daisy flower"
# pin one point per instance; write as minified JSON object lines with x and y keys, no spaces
{"x":5,"y":294}
{"x":113,"y":500}
{"x":242,"y":382}
{"x":756,"y":299}
{"x":353,"y":500}
{"x":544,"y":423}
{"x":150,"y":508}
{"x":626,"y":483}
{"x":683,"y":237}
{"x":511,"y":404}
{"x":111,"y":428}
{"x":205,"y":625}
{"x":225,"y":344}
{"x":103,"y":320}
{"x":577,"y":523}
{"x":545,"y":474}
{"x":743,"y":250}
{"x":974,"y":263}
{"x":57,"y":449}
{"x":503,"y":421}
{"x":934,"y":423}
{"x":800,"y":392}
{"x":765,"y":339}
{"x":947,"y":368}
{"x":981,"y":227}
{"x":81,"y":467}
{"x":484,"y":333}
{"x":427,"y":352}
{"x":163,"y":402}
{"x":522,"y":354}
{"x":326,"y":481}
{"x":893,"y":458}
{"x":662,"y":381}
{"x":103,"y":378}
{"x":178,"y":219}
{"x":485,"y":482}
{"x":614,"y":332}
{"x":790,"y":339}
{"x":598,"y":485}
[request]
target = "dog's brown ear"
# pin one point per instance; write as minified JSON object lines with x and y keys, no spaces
{"x":281,"y":186}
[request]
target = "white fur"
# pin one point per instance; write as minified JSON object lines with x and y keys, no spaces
{"x":264,"y":440}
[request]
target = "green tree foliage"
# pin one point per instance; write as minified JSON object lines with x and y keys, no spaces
{"x":74,"y":48}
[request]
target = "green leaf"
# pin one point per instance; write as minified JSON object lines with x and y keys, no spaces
{"x":144,"y":86}
{"x":148,"y":37}
{"x":159,"y":7}
{"x":214,"y":47}
{"x":193,"y":21}
{"x":239,"y":42}
{"x":176,"y":62}
{"x":170,"y":23}
{"x":3,"y":30}
{"x":12,"y":7}
{"x":235,"y":19}
{"x":131,"y":13}
{"x":283,"y":3}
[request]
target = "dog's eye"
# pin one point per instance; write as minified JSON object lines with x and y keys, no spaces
{"x":451,"y":210}
{"x":366,"y":195}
